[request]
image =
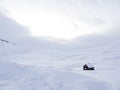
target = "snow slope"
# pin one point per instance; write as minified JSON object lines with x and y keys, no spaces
{"x":61,"y":68}
{"x":18,"y":77}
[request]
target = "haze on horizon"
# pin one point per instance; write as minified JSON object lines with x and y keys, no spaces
{"x":64,"y":19}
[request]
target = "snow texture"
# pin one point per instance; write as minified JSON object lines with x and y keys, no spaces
{"x":18,"y":77}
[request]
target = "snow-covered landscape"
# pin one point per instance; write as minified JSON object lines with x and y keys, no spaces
{"x":53,"y":71}
{"x":61,"y":67}
{"x":46,"y":63}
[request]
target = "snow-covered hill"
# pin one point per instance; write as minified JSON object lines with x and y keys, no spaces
{"x":61,"y":68}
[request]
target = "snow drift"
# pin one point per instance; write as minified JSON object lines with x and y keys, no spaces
{"x":18,"y":77}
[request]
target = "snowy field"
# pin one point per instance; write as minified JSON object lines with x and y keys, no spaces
{"x":19,"y":77}
{"x":49,"y":63}
{"x":54,"y":70}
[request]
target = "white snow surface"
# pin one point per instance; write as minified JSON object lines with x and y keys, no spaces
{"x":61,"y":68}
{"x":18,"y":77}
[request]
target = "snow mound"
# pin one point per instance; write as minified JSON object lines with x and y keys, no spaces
{"x":10,"y":71}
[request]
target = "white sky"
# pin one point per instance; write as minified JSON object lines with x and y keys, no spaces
{"x":64,"y":19}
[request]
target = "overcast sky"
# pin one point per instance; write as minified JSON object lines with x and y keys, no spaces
{"x":64,"y":19}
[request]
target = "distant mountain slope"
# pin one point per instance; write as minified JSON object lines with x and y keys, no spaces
{"x":6,"y":41}
{"x":10,"y":29}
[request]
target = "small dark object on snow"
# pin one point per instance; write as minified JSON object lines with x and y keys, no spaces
{"x":85,"y":67}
